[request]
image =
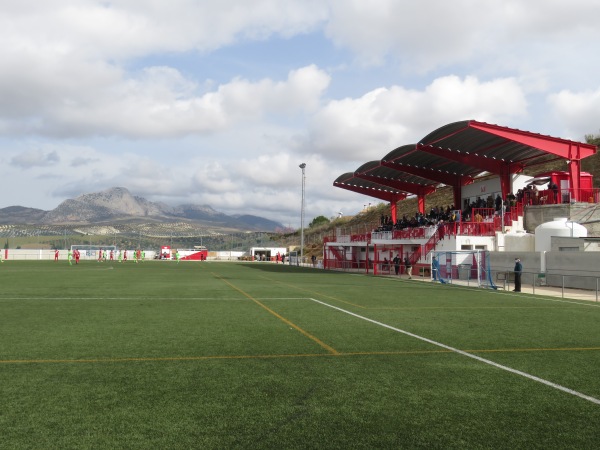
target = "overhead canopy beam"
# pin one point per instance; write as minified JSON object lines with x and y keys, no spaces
{"x":456,"y":181}
{"x":351,"y":183}
{"x":418,"y":190}
{"x":377,"y":173}
{"x":504,"y":169}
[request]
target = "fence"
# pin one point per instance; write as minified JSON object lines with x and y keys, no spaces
{"x":583,"y":287}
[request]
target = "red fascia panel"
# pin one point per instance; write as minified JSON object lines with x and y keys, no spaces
{"x":561,"y":147}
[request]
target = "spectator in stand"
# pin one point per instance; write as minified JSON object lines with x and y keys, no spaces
{"x":498,"y":202}
{"x":441,"y":230}
{"x":478,"y":219}
{"x":396,"y":262}
{"x":519,"y":196}
{"x":527,"y":197}
{"x":554,"y":188}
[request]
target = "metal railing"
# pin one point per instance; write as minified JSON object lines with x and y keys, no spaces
{"x":584,"y":287}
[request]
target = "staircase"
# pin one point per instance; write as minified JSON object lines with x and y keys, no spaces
{"x":428,"y":246}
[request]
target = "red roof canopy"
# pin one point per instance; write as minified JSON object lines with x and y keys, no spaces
{"x":456,"y":153}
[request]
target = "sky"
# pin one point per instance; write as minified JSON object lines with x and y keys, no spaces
{"x":219,"y":102}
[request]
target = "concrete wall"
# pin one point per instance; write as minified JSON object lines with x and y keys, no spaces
{"x":584,"y":213}
{"x":572,"y":269}
{"x":505,"y":261}
{"x":519,"y":242}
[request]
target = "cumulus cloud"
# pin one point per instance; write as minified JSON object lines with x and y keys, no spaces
{"x":424,"y":36}
{"x":413,"y":32}
{"x":214,"y":178}
{"x":35,"y":158}
{"x":120,"y":29}
{"x":82,"y":161}
{"x":578,"y":112}
{"x":160,"y":102}
{"x":368,"y":127}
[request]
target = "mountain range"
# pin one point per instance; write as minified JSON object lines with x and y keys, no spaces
{"x":117,"y":204}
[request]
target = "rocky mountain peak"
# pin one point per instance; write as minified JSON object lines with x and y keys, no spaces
{"x":118,"y":204}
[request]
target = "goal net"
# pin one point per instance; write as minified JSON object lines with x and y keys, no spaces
{"x":467,"y":267}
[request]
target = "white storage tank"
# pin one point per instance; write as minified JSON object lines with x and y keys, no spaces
{"x":558,"y":227}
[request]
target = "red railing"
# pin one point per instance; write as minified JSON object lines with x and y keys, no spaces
{"x":410,"y":233}
{"x":560,"y":196}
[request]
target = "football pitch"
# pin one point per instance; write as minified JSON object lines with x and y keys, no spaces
{"x":258,"y":355}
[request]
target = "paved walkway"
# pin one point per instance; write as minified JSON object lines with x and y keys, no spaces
{"x":550,"y":291}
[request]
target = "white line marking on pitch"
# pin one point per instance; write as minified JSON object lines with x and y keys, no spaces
{"x":469,"y":355}
{"x":150,"y":298}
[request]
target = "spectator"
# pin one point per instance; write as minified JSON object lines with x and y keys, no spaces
{"x":408,"y":266}
{"x":518,"y":270}
{"x":498,"y":202}
{"x":396,"y":262}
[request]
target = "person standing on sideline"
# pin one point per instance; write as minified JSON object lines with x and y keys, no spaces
{"x":518,"y":271}
{"x":396,"y":262}
{"x":56,"y":252}
{"x":177,"y":256}
{"x":408,"y":267}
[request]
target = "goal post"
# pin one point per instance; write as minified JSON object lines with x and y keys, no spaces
{"x":462,"y":267}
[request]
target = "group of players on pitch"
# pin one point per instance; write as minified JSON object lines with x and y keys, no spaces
{"x":104,"y":255}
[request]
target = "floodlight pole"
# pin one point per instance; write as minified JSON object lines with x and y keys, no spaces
{"x":302,"y":166}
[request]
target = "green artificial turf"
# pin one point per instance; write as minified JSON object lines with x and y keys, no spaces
{"x":254,"y":355}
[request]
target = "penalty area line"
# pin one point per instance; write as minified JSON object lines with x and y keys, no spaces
{"x":468,"y":355}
